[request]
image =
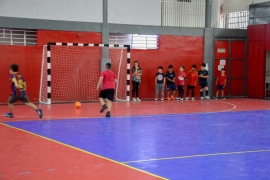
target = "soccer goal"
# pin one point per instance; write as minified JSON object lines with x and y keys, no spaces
{"x":70,"y":71}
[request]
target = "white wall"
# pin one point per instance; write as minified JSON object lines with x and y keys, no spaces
{"x":139,"y":12}
{"x":67,"y":10}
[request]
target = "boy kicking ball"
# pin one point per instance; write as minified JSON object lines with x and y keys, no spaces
{"x":18,"y":86}
{"x":107,"y":80}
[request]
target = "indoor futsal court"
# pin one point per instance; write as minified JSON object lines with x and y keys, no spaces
{"x":210,"y":139}
{"x":135,"y":90}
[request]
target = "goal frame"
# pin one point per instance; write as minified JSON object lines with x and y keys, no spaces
{"x":49,"y":44}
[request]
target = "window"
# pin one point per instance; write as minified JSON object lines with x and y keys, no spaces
{"x":237,"y":20}
{"x":136,"y":41}
{"x":183,"y":0}
{"x":18,"y":37}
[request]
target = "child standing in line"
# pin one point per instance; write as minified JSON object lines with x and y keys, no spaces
{"x":170,"y":75}
{"x":18,"y":87}
{"x":203,"y":75}
{"x":221,"y":83}
{"x":192,"y":80}
{"x":181,"y":82}
{"x":160,"y":83}
{"x":136,"y":81}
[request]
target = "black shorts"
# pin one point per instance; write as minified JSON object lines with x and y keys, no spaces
{"x":171,"y":87}
{"x":220,"y":87}
{"x":12,"y":99}
{"x":189,"y":87}
{"x":203,"y":84}
{"x":107,"y":94}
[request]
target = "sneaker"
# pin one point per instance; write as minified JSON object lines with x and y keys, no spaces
{"x":193,"y":99}
{"x":10,"y":115}
{"x":155,"y":99}
{"x":138,"y":99}
{"x":134,"y":99}
{"x":103,"y":108}
{"x":186,"y":98}
{"x":39,"y":111}
{"x":177,"y":98}
{"x":162,"y":99}
{"x":182,"y":99}
{"x":108,"y":114}
{"x":202,"y":98}
{"x":223,"y":98}
{"x":172,"y":97}
{"x":207,"y":97}
{"x":215,"y":97}
{"x":168,"y":98}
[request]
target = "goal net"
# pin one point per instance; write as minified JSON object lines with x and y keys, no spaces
{"x":70,"y":72}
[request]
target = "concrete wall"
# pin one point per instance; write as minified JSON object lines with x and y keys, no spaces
{"x":70,"y":10}
{"x":140,"y":12}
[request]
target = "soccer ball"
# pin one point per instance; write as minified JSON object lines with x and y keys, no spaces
{"x":78,"y":104}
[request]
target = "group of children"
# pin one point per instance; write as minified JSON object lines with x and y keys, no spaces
{"x":177,"y":82}
{"x":107,"y":82}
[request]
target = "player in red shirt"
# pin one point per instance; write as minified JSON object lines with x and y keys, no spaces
{"x":192,"y":80}
{"x":181,"y":82}
{"x":221,"y":83}
{"x":106,"y":84}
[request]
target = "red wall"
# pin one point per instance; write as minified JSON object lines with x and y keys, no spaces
{"x":258,"y":43}
{"x":176,"y":50}
{"x":29,"y":59}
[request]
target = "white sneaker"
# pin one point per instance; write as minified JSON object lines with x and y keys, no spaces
{"x":155,"y":99}
{"x":193,"y":98}
{"x":138,"y":99}
{"x":162,"y":99}
{"x":134,"y":99}
{"x":182,"y":99}
{"x":186,"y":98}
{"x":207,"y":97}
{"x":202,"y":98}
{"x":177,"y":98}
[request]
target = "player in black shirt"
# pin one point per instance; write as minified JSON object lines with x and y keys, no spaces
{"x":160,"y":82}
{"x":170,"y":76}
{"x":203,"y":75}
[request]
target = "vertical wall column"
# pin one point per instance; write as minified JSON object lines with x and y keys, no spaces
{"x":208,"y":54}
{"x":208,"y":13}
{"x":105,"y":35}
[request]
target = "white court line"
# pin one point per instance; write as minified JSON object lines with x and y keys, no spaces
{"x":234,"y":106}
{"x":51,"y":169}
{"x":198,"y":155}
{"x":25,"y":172}
{"x":67,"y":118}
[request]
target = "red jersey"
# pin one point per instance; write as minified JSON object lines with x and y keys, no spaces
{"x":192,"y":78}
{"x":181,"y":78}
{"x":221,"y":79}
{"x":108,"y":79}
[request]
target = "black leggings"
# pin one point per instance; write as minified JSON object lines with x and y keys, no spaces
{"x":192,"y":88}
{"x":136,"y":86}
{"x":181,"y":91}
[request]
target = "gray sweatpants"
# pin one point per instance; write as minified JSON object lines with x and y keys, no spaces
{"x":159,"y":87}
